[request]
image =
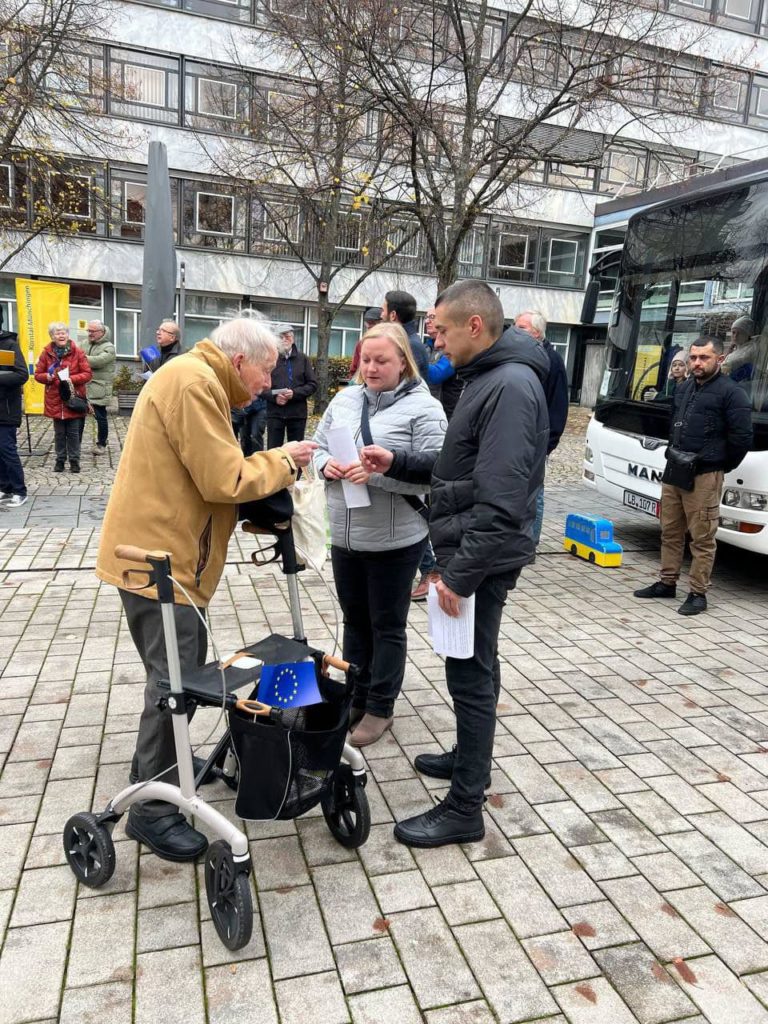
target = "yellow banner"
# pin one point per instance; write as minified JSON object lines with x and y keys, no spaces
{"x":38,"y":304}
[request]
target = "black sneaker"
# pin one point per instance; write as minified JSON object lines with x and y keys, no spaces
{"x":441,"y":825}
{"x":58,"y":467}
{"x":658,"y":589}
{"x":439,"y":766}
{"x":694,"y":604}
{"x":74,"y":467}
{"x":170,"y":837}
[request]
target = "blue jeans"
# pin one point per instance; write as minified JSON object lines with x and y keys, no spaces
{"x":11,"y":470}
{"x":474,"y":684}
{"x":428,"y":562}
{"x":539,"y":520}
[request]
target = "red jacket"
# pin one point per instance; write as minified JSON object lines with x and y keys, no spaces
{"x":79,"y":374}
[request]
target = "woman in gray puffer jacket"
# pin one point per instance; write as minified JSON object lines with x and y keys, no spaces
{"x":375,"y":551}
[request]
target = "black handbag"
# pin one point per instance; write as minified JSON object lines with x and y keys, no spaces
{"x":680,"y":470}
{"x":71,"y":399}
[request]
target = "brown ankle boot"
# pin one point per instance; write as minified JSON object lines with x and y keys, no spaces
{"x":369,"y":729}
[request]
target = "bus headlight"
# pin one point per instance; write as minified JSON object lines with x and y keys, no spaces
{"x":589,"y":455}
{"x":755,"y":500}
{"x":731,"y":496}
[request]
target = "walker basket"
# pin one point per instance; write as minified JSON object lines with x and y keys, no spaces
{"x":287,"y":759}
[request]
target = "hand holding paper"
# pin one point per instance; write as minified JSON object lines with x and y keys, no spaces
{"x":341,"y":445}
{"x":63,"y":373}
{"x":453,"y":636}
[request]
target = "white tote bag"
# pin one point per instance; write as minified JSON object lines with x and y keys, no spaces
{"x":309,"y":518}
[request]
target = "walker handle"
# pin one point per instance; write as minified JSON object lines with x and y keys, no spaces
{"x":253,"y":707}
{"x":263,"y":531}
{"x":329,"y":661}
{"x":132,"y":553}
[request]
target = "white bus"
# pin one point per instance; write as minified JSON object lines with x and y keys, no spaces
{"x":690,"y":266}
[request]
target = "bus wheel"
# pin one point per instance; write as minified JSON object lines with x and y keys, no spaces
{"x":592,"y":556}
{"x":573,"y":550}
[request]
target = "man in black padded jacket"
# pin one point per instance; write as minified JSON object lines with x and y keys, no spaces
{"x":483,"y":506}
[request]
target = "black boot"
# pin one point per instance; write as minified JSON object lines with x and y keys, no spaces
{"x":171,"y":837}
{"x":441,"y":825}
{"x":74,"y":466}
{"x":439,"y":766}
{"x":658,"y":589}
{"x":58,"y":466}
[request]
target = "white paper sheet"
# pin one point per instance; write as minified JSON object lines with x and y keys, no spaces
{"x":63,"y":373}
{"x":451,"y":637}
{"x":341,"y":445}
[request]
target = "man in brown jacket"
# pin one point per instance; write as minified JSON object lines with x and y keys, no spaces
{"x":181,"y":477}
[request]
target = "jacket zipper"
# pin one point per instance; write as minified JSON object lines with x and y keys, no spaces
{"x":204,"y":550}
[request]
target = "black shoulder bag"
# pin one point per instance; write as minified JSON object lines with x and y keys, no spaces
{"x":680,"y":470}
{"x":365,"y":432}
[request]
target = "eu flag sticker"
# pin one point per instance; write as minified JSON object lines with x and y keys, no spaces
{"x":291,"y":685}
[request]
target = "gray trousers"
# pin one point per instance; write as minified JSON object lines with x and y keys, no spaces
{"x":155,"y":749}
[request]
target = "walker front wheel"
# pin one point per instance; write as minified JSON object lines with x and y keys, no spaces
{"x":229,"y":896}
{"x":346,"y":810}
{"x":89,"y":850}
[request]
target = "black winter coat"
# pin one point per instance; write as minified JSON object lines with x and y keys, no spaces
{"x":12,"y":380}
{"x":556,"y":393}
{"x":296,"y":372}
{"x":716,"y":422}
{"x":485,"y":480}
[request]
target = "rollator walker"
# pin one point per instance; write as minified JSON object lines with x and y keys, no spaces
{"x":281,"y":761}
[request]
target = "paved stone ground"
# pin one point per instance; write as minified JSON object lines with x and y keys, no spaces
{"x":624,"y":875}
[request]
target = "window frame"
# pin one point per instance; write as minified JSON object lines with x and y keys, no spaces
{"x":219,"y":82}
{"x":10,"y":171}
{"x":563,"y":241}
{"x":124,"y":212}
{"x":269,"y":222}
{"x":215,"y":195}
{"x":508,"y":266}
{"x":89,"y":178}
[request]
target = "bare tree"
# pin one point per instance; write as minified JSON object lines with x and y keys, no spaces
{"x":52,"y":96}
{"x":309,"y":156}
{"x":477,"y":98}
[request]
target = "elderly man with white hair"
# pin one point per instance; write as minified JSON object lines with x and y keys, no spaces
{"x":180,"y":480}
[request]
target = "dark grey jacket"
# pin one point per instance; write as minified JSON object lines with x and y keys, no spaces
{"x":12,"y":379}
{"x":716,"y":422}
{"x":484,"y":483}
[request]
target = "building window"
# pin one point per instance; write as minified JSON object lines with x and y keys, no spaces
{"x":739,"y":10}
{"x":285,"y":313}
{"x":404,"y":238}
{"x":216,"y":98}
{"x":128,"y":203}
{"x":349,"y":232}
{"x":281,"y":222}
{"x":214,"y":214}
{"x":472,"y":252}
{"x":572,"y":176}
{"x":71,"y":195}
{"x":513,"y":251}
{"x":562,"y":256}
{"x":346,"y":331}
{"x":290,"y":8}
{"x":144,"y":85}
{"x":134,"y":202}
{"x":6,"y":187}
{"x":759,"y":104}
{"x":729,"y":95}
{"x":203,"y":313}
{"x":623,"y":170}
{"x":76,"y":76}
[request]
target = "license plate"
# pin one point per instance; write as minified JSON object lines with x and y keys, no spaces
{"x":643,"y":504}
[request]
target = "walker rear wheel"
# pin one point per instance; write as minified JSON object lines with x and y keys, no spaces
{"x":89,"y":850}
{"x":346,"y":810}
{"x":229,"y":896}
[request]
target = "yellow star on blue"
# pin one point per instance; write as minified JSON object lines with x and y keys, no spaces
{"x":286,"y":674}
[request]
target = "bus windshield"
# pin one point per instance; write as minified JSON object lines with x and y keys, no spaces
{"x":691,"y":269}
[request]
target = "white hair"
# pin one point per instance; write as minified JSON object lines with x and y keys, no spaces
{"x":246,"y":336}
{"x":538,"y":320}
{"x":57,"y":325}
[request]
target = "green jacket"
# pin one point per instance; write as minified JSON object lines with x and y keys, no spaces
{"x":101,"y":356}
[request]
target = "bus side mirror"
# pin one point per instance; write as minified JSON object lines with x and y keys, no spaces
{"x":589,"y":306}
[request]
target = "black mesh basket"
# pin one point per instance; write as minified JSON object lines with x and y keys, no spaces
{"x":287,"y":760}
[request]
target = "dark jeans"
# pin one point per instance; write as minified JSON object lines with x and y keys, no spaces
{"x":11,"y":469}
{"x":66,"y":436}
{"x":155,"y":748}
{"x":102,"y":423}
{"x":474,"y":685}
{"x":374,"y":589}
{"x":249,"y":431}
{"x":428,"y":562}
{"x":277,"y":430}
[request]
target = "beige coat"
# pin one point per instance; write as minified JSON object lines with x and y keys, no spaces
{"x":182,"y":474}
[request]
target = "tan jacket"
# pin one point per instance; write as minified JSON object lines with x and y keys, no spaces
{"x":182,"y":474}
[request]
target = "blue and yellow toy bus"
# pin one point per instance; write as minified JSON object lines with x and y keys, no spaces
{"x":591,"y":537}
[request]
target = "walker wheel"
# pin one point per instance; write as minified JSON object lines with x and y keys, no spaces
{"x":89,"y":850}
{"x":229,"y":896}
{"x":346,"y":810}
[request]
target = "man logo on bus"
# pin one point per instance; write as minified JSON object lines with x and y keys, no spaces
{"x":643,"y":474}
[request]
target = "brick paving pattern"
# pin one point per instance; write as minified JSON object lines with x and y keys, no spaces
{"x":624,"y":873}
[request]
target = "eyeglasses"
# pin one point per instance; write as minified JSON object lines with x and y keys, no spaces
{"x":429,"y":316}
